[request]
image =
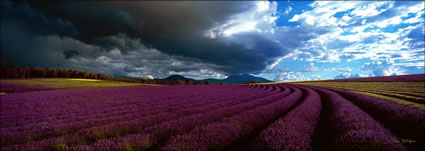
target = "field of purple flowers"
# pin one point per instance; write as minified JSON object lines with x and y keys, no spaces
{"x":207,"y":117}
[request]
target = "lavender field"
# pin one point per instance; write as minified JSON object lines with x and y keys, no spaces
{"x":207,"y":117}
{"x":261,"y":75}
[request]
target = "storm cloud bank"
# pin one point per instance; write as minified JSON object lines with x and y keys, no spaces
{"x":143,"y":39}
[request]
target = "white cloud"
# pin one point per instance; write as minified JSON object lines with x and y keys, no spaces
{"x":382,"y":68}
{"x":259,"y":19}
{"x":347,"y":75}
{"x":149,"y":77}
{"x":344,"y":73}
{"x":370,"y":9}
{"x":349,"y":39}
{"x":199,"y":74}
{"x":288,"y":10}
{"x":341,"y":70}
{"x":289,"y":76}
{"x":316,"y":77}
{"x":322,"y":14}
{"x":310,"y":67}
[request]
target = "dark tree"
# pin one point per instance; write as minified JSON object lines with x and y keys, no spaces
{"x":188,"y":82}
{"x":38,"y":72}
{"x":207,"y":82}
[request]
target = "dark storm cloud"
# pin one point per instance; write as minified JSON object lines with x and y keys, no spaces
{"x":35,"y":22}
{"x":149,"y":37}
{"x":175,"y":28}
{"x":70,"y":53}
{"x":90,"y":20}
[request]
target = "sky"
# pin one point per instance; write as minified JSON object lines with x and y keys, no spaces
{"x":276,"y":40}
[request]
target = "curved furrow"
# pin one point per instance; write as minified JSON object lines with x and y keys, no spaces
{"x":274,"y":87}
{"x":405,"y":122}
{"x":217,"y":135}
{"x":131,"y":108}
{"x":413,"y":99}
{"x":346,"y":127}
{"x":267,"y":87}
{"x":293,"y":131}
{"x":161,"y":132}
{"x":134,"y":106}
{"x":68,"y":97}
{"x":401,"y":94}
{"x":124,"y":128}
{"x":83,"y":111}
{"x":36,"y":98}
{"x":57,"y":130}
{"x":244,"y":143}
{"x":260,"y":86}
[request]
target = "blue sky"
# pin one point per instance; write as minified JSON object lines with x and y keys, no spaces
{"x":366,"y":39}
{"x":277,"y":40}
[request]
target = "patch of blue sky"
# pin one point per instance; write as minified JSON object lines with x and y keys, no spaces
{"x":292,"y":65}
{"x":414,"y":70}
{"x":385,"y":6}
{"x":346,"y":32}
{"x":395,"y":27}
{"x":343,"y":13}
{"x":410,"y":15}
{"x":371,"y":28}
{"x":298,"y":7}
{"x":325,"y":69}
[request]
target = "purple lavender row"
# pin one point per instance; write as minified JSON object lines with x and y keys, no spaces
{"x":406,"y":122}
{"x":134,"y":109}
{"x":107,"y":109}
{"x":295,"y":130}
{"x":162,"y":132}
{"x":58,"y":112}
{"x":97,"y":95}
{"x":99,"y":116}
{"x":350,"y":128}
{"x":45,"y":98}
{"x":42,"y":143}
{"x":119,"y":129}
{"x":188,"y":122}
{"x":5,"y":132}
{"x":16,"y":88}
{"x":218,"y":135}
{"x":130,"y":142}
{"x":64,"y":142}
{"x":55,"y":130}
{"x":131,"y":108}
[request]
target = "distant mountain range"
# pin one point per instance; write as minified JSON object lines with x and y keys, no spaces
{"x":234,"y":79}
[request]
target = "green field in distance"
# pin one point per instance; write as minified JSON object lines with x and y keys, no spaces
{"x":70,"y":83}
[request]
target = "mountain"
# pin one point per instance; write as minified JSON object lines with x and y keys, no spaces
{"x":178,"y":77}
{"x":241,"y":79}
{"x":234,"y":79}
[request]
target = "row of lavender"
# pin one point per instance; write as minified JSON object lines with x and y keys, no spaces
{"x":134,"y":111}
{"x":108,"y":114}
{"x":269,"y":117}
{"x":214,"y":104}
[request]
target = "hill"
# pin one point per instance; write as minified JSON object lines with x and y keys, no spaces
{"x":234,"y":79}
{"x":178,"y":77}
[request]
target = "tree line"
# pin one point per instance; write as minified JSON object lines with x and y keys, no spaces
{"x":7,"y":72}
